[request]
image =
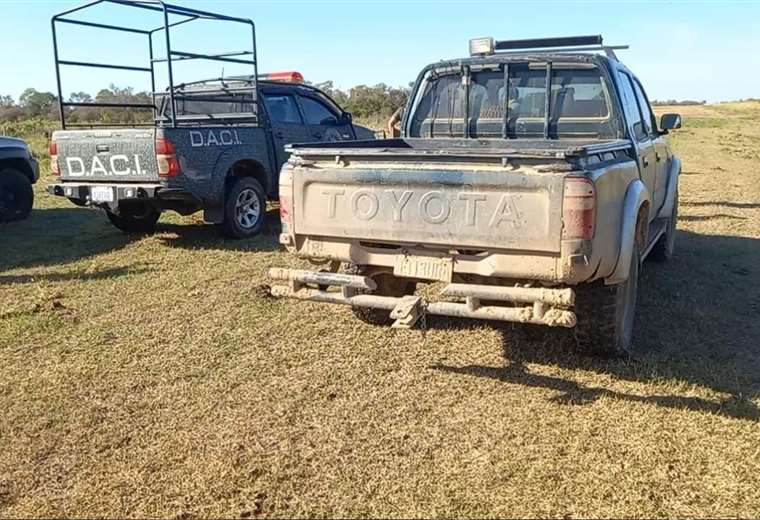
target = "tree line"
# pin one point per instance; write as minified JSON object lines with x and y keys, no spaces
{"x":364,"y":102}
{"x":376,"y":102}
{"x":673,"y":102}
{"x":367,"y":103}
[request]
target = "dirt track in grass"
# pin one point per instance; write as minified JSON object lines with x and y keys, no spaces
{"x":146,"y":378}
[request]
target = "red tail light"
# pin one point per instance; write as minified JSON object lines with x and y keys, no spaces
{"x":579,"y":209}
{"x":55,"y":168}
{"x":286,"y":210}
{"x":166,"y":157}
{"x":164,"y":146}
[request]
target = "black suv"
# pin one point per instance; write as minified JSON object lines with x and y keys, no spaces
{"x":18,"y":171}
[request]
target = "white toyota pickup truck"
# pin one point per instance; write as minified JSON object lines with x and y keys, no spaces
{"x":532,"y":179}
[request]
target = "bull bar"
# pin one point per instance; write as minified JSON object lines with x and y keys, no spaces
{"x":544,"y":306}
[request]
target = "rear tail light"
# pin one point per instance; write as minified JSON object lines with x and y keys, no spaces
{"x":286,"y":210}
{"x":579,"y":209}
{"x":55,"y":168}
{"x":166,"y":157}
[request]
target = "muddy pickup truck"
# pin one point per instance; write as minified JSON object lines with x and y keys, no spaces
{"x":214,"y":145}
{"x":531,"y":181}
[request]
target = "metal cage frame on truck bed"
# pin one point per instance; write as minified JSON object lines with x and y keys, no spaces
{"x":188,"y":15}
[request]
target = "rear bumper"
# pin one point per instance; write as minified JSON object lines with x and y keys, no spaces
{"x":123,"y":192}
{"x":571,"y":266}
{"x":538,"y":306}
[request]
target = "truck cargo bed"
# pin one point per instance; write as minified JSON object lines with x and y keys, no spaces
{"x":453,"y":147}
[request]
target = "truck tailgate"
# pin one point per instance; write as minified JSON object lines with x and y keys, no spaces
{"x":126,"y":155}
{"x":464,"y":209}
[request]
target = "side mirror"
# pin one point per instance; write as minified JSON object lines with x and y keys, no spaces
{"x":329,"y":121}
{"x":670,"y":121}
{"x":346,"y":118}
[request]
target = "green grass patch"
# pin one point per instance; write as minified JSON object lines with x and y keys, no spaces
{"x":149,"y":377}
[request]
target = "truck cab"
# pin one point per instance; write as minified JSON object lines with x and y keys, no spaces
{"x":298,"y":113}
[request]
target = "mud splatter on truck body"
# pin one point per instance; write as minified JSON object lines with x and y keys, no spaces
{"x":518,"y":172}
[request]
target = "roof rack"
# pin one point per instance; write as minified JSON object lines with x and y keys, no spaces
{"x":488,"y":46}
{"x":164,"y":11}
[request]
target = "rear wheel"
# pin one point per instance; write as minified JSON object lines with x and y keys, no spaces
{"x":606,"y":314}
{"x":135,"y":219}
{"x":244,"y":209}
{"x":16,"y":195}
{"x":387,"y":285}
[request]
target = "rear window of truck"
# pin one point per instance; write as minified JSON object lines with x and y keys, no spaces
{"x":211,"y":105}
{"x":579,"y":103}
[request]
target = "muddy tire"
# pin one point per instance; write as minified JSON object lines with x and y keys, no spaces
{"x":663,"y":249}
{"x":16,"y":195}
{"x":245,"y":209}
{"x":606,"y":314}
{"x":387,"y":285}
{"x":137,"y":219}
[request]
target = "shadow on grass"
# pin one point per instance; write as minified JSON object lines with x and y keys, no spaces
{"x":738,"y":205}
{"x":716,"y":216}
{"x":55,"y":236}
{"x":573,"y":393}
{"x":208,"y":237}
{"x":58,"y":236}
{"x":696,"y":324}
{"x":102,"y":274}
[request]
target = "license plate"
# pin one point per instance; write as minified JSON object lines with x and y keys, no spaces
{"x":426,"y":268}
{"x":101,"y":194}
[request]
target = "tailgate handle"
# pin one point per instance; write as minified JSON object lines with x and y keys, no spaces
{"x":102,"y":148}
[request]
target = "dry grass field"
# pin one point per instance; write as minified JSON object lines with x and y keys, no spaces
{"x":151,"y":377}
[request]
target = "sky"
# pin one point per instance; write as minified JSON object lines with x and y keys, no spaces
{"x":680,"y":49}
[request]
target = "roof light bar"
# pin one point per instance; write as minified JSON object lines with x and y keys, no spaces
{"x":283,"y":77}
{"x":488,"y":46}
{"x":545,"y":43}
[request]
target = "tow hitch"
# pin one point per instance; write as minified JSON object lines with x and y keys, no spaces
{"x":407,"y":312}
